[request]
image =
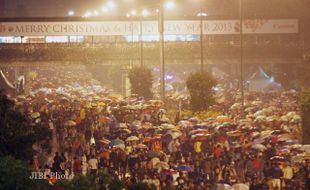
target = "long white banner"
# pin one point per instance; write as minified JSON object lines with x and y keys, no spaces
{"x":186,"y":27}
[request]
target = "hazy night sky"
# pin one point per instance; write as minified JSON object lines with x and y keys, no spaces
{"x":60,"y":8}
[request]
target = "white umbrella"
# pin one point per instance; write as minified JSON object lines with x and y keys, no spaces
{"x":241,"y":186}
{"x":299,"y":158}
{"x":167,"y":126}
{"x":258,"y":113}
{"x":296,"y":118}
{"x":260,"y":118}
{"x":236,"y":106}
{"x":305,"y":148}
{"x":291,"y":114}
{"x":162,"y":165}
{"x":223,"y":187}
{"x":132,"y":138}
{"x":259,"y":147}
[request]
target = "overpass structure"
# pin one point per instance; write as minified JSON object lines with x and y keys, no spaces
{"x":266,"y":41}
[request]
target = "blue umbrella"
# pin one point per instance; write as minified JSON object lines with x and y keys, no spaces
{"x":116,"y":142}
{"x":185,"y":168}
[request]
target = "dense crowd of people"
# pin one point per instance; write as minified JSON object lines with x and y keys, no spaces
{"x":133,"y":139}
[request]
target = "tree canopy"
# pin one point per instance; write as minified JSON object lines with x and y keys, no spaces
{"x":141,"y":80}
{"x":17,"y":135}
{"x":200,"y":86}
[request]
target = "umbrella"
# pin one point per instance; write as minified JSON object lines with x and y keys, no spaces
{"x":291,"y":114}
{"x":35,"y":115}
{"x":257,"y":103}
{"x":162,"y":165}
{"x":258,"y":141}
{"x":126,"y":131}
{"x":141,"y":146}
{"x":147,"y":139}
{"x":194,"y":120}
{"x":198,"y":131}
{"x":284,"y":118}
{"x":234,"y":133}
{"x":236,"y":106}
{"x":167,"y":126}
{"x":271,"y":118}
{"x":284,"y":137}
{"x":249,"y":109}
{"x":299,"y":158}
{"x":259,"y":113}
{"x":184,"y":168}
{"x":154,"y":161}
{"x":200,"y":137}
{"x":169,"y":172}
{"x":101,"y":104}
{"x":153,"y":154}
{"x":184,"y":123}
{"x":260,"y":118}
{"x":277,"y":158}
{"x":104,"y":141}
{"x":70,"y":123}
{"x":132,"y":138}
{"x":266,"y":133}
{"x":305,"y":148}
{"x":296,"y":146}
{"x":296,"y":118}
{"x":174,"y":134}
{"x":240,"y":186}
{"x":223,"y":187}
{"x":116,"y":142}
{"x":259,"y":147}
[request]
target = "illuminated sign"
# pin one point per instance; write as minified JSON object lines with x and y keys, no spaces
{"x":119,"y":28}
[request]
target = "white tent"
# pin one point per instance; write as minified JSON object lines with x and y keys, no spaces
{"x":260,"y":81}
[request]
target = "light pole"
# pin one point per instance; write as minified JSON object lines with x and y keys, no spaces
{"x":201,"y":38}
{"x":141,"y":42}
{"x":241,"y":57}
{"x":162,"y":49}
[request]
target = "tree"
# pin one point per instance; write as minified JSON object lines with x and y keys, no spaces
{"x":15,"y":174}
{"x":16,"y":134}
{"x":103,"y":181}
{"x":141,"y":80}
{"x":200,"y":86}
{"x":305,"y":114}
{"x":115,"y":77}
{"x":142,"y":186}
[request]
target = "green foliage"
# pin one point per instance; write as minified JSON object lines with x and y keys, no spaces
{"x":141,"y":80}
{"x":14,"y":174}
{"x":115,"y":77}
{"x":142,"y":186}
{"x":103,"y":181}
{"x":79,"y":182}
{"x":305,"y":113}
{"x":16,"y":134}
{"x":200,"y":86}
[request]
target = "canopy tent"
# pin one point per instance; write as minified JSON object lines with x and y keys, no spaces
{"x":5,"y":84}
{"x":260,"y":82}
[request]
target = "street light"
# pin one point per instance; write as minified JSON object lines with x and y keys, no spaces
{"x":88,"y":14}
{"x":241,"y":57}
{"x":145,"y":13}
{"x":133,"y":12}
{"x":169,"y":5}
{"x":71,"y":13}
{"x":105,"y":9}
{"x":111,"y":4}
{"x":162,"y":47}
{"x":96,"y":13}
{"x":201,"y":38}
